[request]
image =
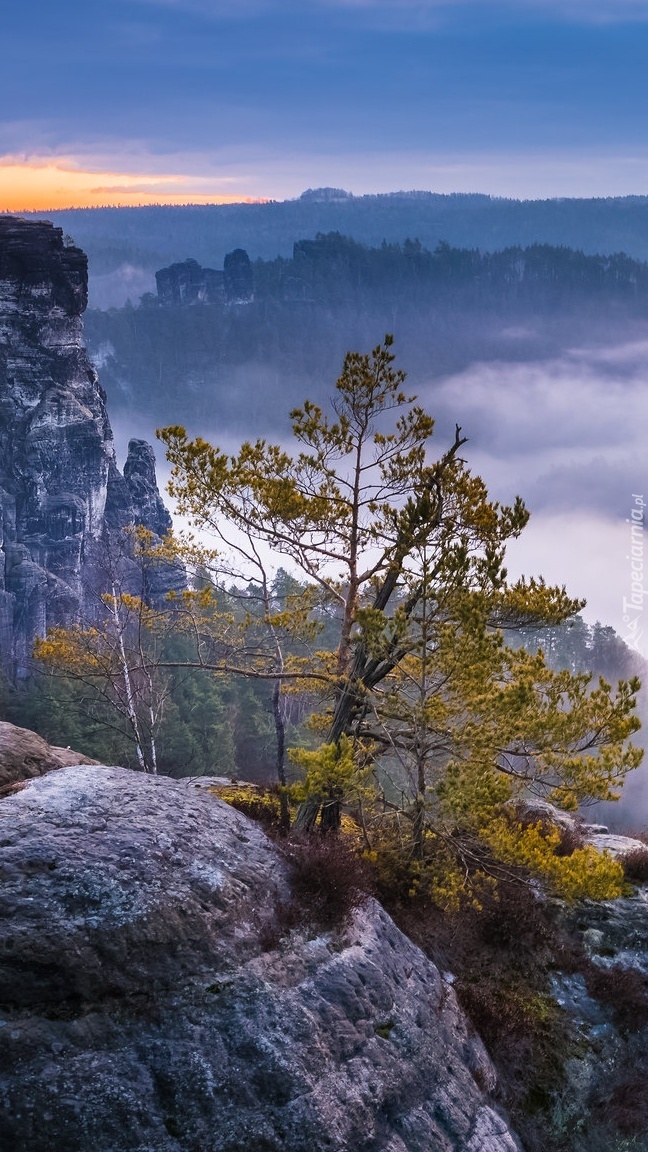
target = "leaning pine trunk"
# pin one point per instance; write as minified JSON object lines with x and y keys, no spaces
{"x":306,"y":817}
{"x":347,"y":702}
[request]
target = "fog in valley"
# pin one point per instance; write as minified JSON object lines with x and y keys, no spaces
{"x":569,"y":436}
{"x":546,"y":375}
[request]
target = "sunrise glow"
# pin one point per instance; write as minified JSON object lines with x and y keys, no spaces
{"x":42,"y":185}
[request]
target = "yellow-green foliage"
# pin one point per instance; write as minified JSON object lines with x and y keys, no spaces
{"x":331,"y":772}
{"x":257,"y":803}
{"x":457,"y":870}
{"x":585,"y":873}
{"x":72,"y":650}
{"x":510,"y":716}
{"x":475,"y":725}
{"x":477,"y":800}
{"x":438,"y":873}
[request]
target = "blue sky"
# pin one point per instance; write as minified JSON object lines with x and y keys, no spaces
{"x":267,"y":97}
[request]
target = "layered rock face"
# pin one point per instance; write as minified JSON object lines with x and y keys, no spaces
{"x":62,"y":498}
{"x":145,"y":1008}
{"x":237,"y":275}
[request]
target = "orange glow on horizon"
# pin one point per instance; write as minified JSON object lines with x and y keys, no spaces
{"x":44,"y":186}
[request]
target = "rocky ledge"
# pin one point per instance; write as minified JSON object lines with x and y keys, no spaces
{"x":23,"y":755}
{"x":142,"y":1008}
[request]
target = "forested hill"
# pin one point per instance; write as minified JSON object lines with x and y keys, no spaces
{"x":333,"y":267}
{"x":126,"y":245}
{"x":446,"y":308}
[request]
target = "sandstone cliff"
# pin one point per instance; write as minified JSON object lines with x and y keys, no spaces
{"x":142,"y":1010}
{"x":187,"y":283}
{"x":63,"y":502}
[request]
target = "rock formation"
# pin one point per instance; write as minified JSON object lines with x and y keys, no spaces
{"x":237,"y":273}
{"x":142,"y":1008}
{"x":188,"y":283}
{"x":24,"y":755}
{"x":63,"y":502}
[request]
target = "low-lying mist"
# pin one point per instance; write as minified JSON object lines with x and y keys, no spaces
{"x":566,"y":432}
{"x":569,"y":435}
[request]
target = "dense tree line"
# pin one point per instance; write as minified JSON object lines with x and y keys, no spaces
{"x":158,"y":235}
{"x":334,"y":268}
{"x":447,"y":307}
{"x":209,"y":726}
{"x":582,"y":647}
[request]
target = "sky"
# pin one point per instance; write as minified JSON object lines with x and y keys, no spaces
{"x":136,"y":101}
{"x":140,"y":101}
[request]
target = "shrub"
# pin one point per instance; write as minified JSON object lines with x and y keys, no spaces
{"x":583,"y":873}
{"x":635,"y":865}
{"x":625,"y":990}
{"x":260,"y":804}
{"x":567,"y":837}
{"x":571,"y":839}
{"x":328,"y":878}
{"x":625,"y":1105}
{"x":282,"y":919}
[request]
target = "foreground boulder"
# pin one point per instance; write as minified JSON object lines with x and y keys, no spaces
{"x":24,"y":755}
{"x":147,"y":1003}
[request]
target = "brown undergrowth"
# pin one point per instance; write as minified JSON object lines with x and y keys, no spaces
{"x":502,"y":950}
{"x":635,"y":865}
{"x":500,"y":954}
{"x":328,"y":879}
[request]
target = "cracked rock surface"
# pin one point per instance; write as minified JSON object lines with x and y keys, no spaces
{"x":143,"y":1010}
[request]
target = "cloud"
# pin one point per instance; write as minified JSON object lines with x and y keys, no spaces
{"x":111,"y":170}
{"x":561,"y":404}
{"x":568,"y":435}
{"x":44,"y":183}
{"x":596,"y":11}
{"x":495,"y":98}
{"x":583,"y":551}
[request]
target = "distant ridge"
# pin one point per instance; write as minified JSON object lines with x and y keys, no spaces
{"x":135,"y":242}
